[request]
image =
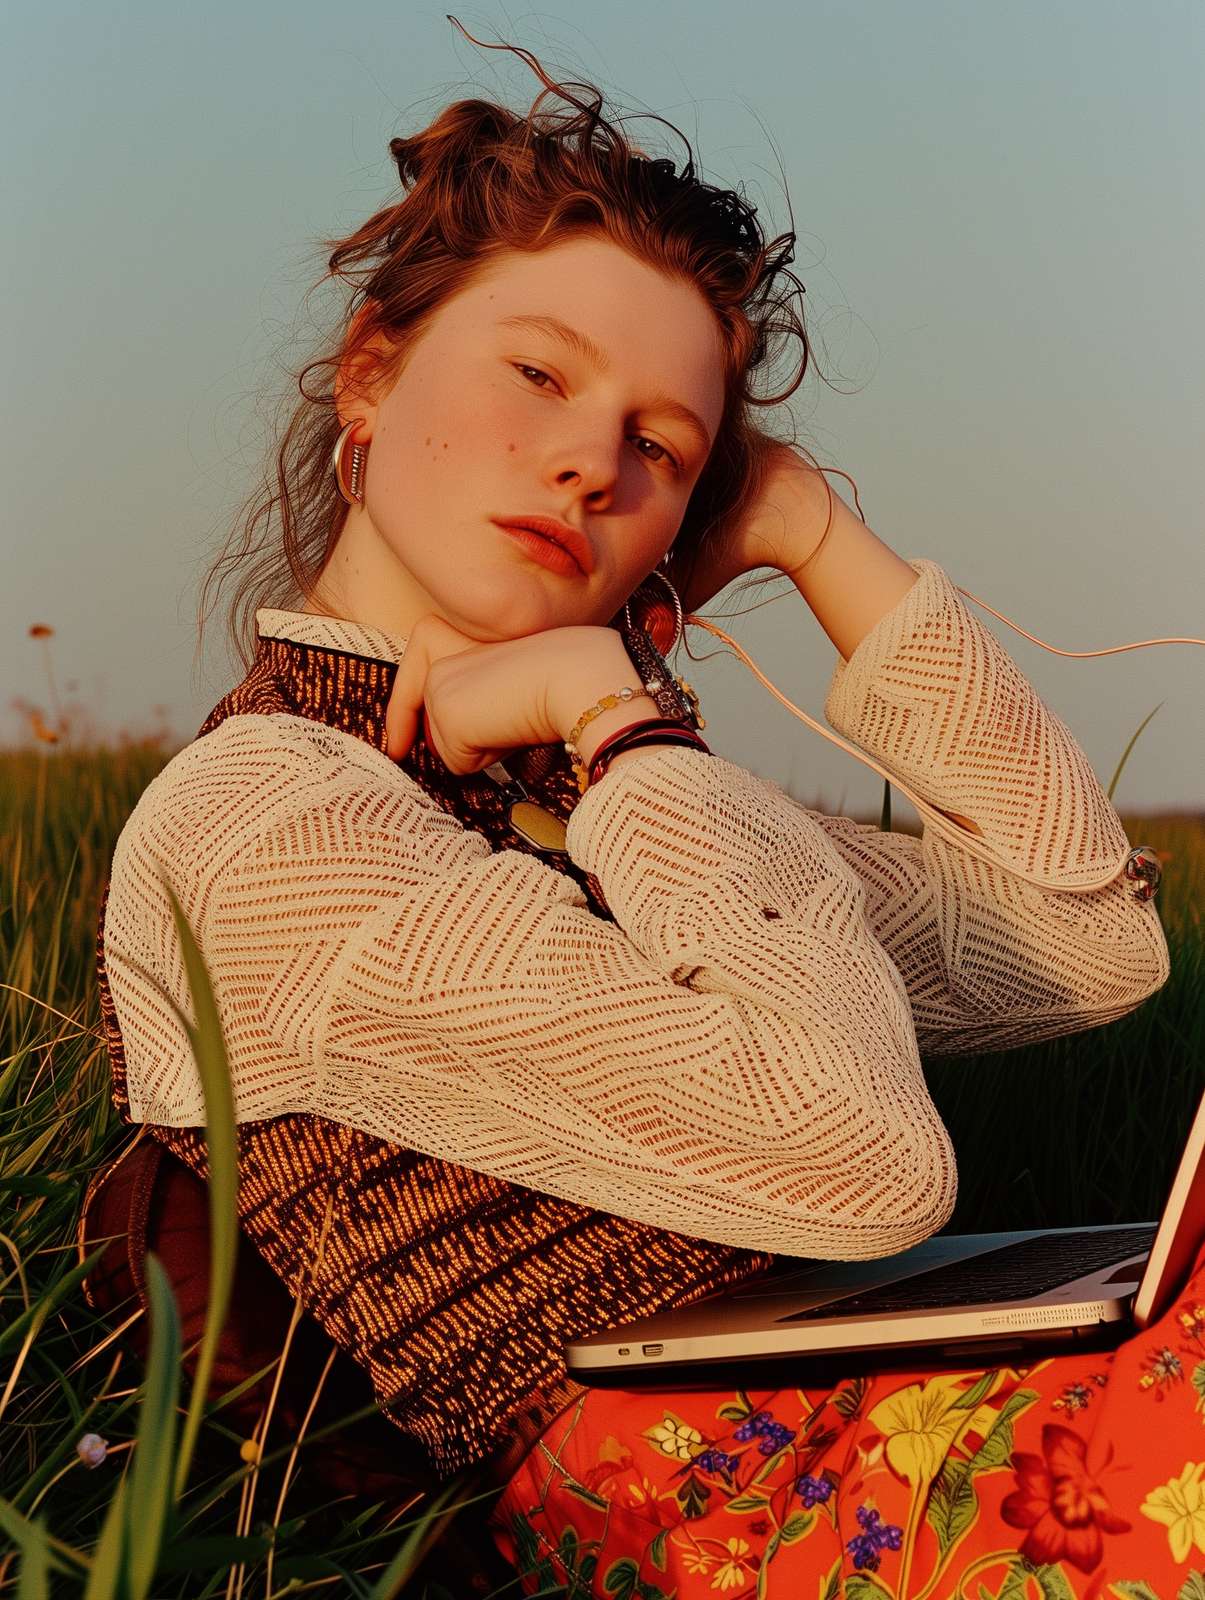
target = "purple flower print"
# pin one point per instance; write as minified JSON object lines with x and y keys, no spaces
{"x":813,"y":1491}
{"x":876,"y":1536}
{"x":771,"y":1436}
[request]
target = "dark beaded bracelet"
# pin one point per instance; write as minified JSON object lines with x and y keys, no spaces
{"x":639,"y":735}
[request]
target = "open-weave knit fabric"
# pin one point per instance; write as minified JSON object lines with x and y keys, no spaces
{"x":456,"y":1290}
{"x":734,"y":1057}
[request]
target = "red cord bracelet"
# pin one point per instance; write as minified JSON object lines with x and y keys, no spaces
{"x":637,"y":736}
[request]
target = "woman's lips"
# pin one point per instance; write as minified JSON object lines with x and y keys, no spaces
{"x":554,"y":544}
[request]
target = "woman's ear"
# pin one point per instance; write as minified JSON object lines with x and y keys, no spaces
{"x":364,"y":370}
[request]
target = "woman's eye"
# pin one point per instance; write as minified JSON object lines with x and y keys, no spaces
{"x":651,"y":450}
{"x":534,"y":375}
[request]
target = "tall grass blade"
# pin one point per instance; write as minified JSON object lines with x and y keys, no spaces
{"x":33,"y":1542}
{"x":34,"y":1582}
{"x":108,"y":1563}
{"x":53,"y":1297}
{"x":218,"y":1553}
{"x":419,"y":1540}
{"x":1126,"y":755}
{"x":152,"y":1476}
{"x":32,"y":1322}
{"x":209,"y":1049}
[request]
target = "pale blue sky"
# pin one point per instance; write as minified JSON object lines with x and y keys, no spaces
{"x":1002,"y":229}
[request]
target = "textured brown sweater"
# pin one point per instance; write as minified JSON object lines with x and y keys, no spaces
{"x":456,"y":1290}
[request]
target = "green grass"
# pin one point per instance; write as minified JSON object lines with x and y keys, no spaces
{"x":1081,"y":1130}
{"x":168,"y":1512}
{"x":1088,"y":1129}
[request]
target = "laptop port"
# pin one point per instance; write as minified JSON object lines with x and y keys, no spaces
{"x":653,"y":1349}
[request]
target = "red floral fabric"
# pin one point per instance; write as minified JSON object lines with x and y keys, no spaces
{"x":1077,"y":1478}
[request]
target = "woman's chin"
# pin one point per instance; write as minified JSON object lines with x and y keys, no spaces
{"x":500,"y":608}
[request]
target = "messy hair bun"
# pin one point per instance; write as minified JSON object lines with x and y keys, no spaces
{"x":481,"y":180}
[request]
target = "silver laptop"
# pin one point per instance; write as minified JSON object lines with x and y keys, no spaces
{"x":953,"y":1298}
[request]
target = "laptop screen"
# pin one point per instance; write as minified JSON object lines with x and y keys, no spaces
{"x":1181,"y":1230}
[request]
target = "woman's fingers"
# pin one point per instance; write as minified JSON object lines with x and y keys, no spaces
{"x":481,"y":700}
{"x":430,"y":640}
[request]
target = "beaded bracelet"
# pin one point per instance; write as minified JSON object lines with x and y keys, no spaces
{"x":607,"y":703}
{"x":637,"y":736}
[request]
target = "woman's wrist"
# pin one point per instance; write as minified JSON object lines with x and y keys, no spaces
{"x":641,"y":688}
{"x":625,"y":715}
{"x":599,"y":669}
{"x":852,"y":581}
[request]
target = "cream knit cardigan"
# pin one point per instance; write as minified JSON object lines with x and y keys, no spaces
{"x":736,"y":1057}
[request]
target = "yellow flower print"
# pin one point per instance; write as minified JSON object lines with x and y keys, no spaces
{"x":922,"y":1423}
{"x":697,"y":1560}
{"x":733,"y":1572}
{"x":675,"y":1438}
{"x":1180,"y":1506}
{"x":1192,"y":1320}
{"x":648,"y":1496}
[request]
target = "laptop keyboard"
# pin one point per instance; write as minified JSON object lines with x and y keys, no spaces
{"x":1013,"y":1272}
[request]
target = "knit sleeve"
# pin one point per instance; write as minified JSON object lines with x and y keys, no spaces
{"x":735,"y":1057}
{"x":990,"y":958}
{"x":734,"y":1060}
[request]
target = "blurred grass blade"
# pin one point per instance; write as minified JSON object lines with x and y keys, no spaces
{"x":419,"y":1540}
{"x":48,"y":1188}
{"x":209,"y":1049}
{"x":108,"y":1562}
{"x":214,"y":1553}
{"x":34,"y":1582}
{"x":1126,"y":755}
{"x":151,"y":1477}
{"x":32,"y":1541}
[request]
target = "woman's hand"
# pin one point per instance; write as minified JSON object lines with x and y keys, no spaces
{"x":847,"y":575}
{"x":783,"y":528}
{"x":483,"y":700}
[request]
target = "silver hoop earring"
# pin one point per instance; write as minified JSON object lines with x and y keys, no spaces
{"x":349,"y":474}
{"x":656,"y":608}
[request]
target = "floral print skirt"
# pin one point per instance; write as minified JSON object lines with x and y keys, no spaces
{"x":1079,"y":1477}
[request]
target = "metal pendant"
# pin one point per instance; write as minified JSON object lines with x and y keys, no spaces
{"x":531,"y":822}
{"x":1143,"y":872}
{"x":538,"y":827}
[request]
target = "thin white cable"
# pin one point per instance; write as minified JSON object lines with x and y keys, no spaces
{"x":973,"y":844}
{"x":1073,"y":655}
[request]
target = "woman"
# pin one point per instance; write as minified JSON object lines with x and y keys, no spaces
{"x":501,"y":1082}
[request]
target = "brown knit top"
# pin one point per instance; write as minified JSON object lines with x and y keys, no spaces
{"x":457,"y":1291}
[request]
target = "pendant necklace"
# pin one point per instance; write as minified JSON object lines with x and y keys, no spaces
{"x":530,"y":821}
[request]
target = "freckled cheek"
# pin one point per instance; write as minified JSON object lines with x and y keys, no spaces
{"x":499,"y":422}
{"x":475,"y":427}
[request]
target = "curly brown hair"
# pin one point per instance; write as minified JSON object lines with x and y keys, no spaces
{"x":482,"y":180}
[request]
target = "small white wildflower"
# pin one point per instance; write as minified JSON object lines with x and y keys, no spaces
{"x":92,"y":1449}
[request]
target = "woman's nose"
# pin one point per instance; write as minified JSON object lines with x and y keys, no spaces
{"x":591,"y":473}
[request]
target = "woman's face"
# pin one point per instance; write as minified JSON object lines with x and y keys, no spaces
{"x":532,"y":461}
